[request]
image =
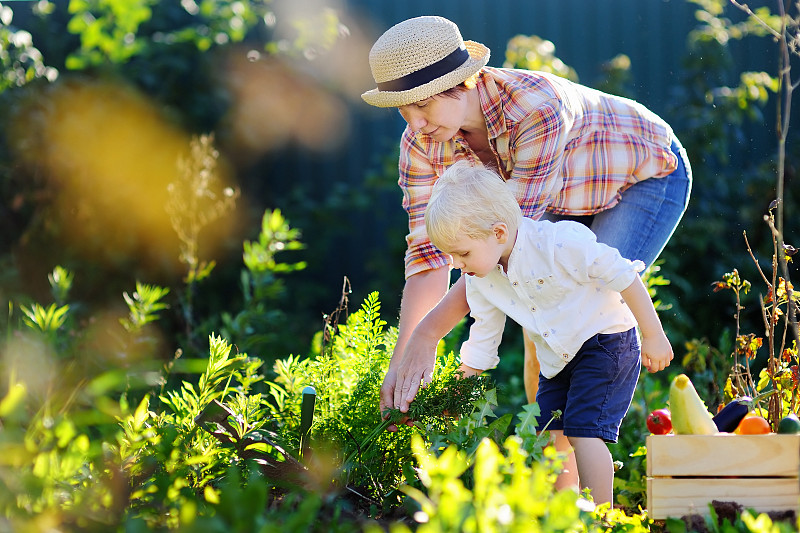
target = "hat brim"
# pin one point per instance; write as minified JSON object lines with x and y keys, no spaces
{"x":478,"y":57}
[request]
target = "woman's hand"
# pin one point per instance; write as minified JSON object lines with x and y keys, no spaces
{"x":387,"y":396}
{"x":403,"y":379}
{"x":415,"y":369}
{"x":428,"y":317}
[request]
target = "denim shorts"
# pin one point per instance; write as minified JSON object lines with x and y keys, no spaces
{"x":595,"y":389}
{"x":645,"y":218}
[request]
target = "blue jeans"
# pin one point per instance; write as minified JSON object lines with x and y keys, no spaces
{"x":640,"y":225}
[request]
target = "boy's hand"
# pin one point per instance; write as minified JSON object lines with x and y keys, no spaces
{"x":468,"y":371}
{"x":656,"y":352}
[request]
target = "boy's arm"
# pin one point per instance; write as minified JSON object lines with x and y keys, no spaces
{"x":656,"y":349}
{"x":468,"y":371}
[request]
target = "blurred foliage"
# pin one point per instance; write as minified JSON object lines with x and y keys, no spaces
{"x":149,"y":414}
{"x":20,"y":61}
{"x":158,"y":62}
{"x":531,"y":52}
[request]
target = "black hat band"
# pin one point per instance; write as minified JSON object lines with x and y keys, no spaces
{"x":433,"y":71}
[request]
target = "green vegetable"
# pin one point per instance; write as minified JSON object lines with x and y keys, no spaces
{"x":789,"y":425}
{"x":689,"y":413}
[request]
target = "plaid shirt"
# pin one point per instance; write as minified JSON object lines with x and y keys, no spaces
{"x":561,"y":147}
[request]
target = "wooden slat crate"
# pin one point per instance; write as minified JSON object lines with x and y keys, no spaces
{"x":686,"y":472}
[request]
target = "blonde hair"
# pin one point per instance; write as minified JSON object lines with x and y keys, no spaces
{"x":466,"y":202}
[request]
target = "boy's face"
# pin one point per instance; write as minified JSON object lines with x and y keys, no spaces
{"x":478,"y":257}
{"x":438,"y":116}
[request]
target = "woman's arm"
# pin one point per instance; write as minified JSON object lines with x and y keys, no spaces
{"x":425,"y":317}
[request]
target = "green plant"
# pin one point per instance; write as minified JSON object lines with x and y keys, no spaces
{"x":143,"y":306}
{"x":531,"y":52}
{"x":166,"y":455}
{"x":256,"y":326}
{"x":346,"y":372}
{"x":747,"y":521}
{"x":510,"y":492}
{"x":193,"y":203}
{"x":58,"y":414}
{"x":778,"y":378}
{"x":780,"y":304}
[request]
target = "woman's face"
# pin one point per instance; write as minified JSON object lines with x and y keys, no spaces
{"x":438,"y":116}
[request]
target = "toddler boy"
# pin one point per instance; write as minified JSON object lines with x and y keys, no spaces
{"x":579,"y":300}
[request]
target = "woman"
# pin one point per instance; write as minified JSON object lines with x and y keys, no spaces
{"x":565,"y":150}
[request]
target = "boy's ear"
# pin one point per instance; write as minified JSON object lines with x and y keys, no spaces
{"x":500,"y":230}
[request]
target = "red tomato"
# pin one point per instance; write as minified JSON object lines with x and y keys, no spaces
{"x":659,"y":422}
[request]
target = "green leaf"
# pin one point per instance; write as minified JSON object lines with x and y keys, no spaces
{"x":527,"y":417}
{"x":12,"y":400}
{"x":142,"y":413}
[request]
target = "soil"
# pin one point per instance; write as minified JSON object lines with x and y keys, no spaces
{"x":725,"y":511}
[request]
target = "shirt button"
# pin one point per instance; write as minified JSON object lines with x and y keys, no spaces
{"x":533,"y":309}
{"x":515,"y":283}
{"x":540,"y":281}
{"x":566,"y":355}
{"x":545,"y":334}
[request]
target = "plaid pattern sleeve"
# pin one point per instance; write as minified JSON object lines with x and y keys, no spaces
{"x":417,"y":175}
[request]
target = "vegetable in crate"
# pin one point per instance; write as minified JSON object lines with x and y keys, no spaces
{"x":659,"y":422}
{"x":689,"y":413}
{"x":789,"y":425}
{"x":753,"y":424}
{"x":729,"y":417}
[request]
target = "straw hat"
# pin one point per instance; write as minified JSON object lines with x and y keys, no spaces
{"x":421,"y":57}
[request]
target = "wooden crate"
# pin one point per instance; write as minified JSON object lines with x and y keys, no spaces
{"x":686,"y":472}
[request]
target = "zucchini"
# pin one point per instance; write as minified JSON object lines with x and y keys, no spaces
{"x":689,"y":413}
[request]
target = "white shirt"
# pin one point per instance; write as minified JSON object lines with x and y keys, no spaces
{"x":562,"y":287}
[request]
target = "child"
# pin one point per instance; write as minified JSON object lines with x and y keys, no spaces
{"x":579,"y":300}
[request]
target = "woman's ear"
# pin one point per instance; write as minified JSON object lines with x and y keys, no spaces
{"x":500,"y":230}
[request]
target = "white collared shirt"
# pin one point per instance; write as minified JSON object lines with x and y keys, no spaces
{"x":562,"y":287}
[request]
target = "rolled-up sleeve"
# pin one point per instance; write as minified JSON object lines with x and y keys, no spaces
{"x":480,"y":350}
